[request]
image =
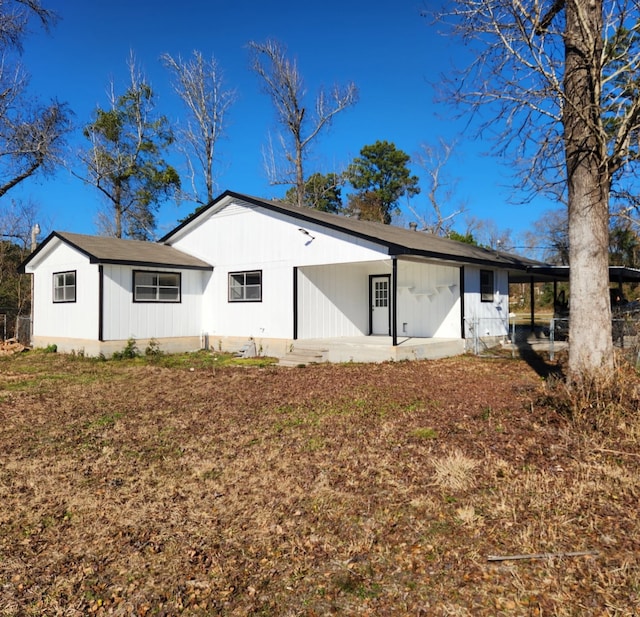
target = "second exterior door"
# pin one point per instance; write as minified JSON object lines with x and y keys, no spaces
{"x":380,"y":304}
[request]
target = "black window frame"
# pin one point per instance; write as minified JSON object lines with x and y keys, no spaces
{"x":65,"y":286}
{"x":157,"y":286}
{"x":244,"y":286}
{"x":487,"y":287}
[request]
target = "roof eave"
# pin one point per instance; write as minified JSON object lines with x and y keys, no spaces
{"x":151,"y":264}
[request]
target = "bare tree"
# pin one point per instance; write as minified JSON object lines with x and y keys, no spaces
{"x":284,"y":84}
{"x":561,"y":79}
{"x":31,"y":133}
{"x":14,"y":19}
{"x":549,"y":236}
{"x":438,"y":219}
{"x":18,"y":236}
{"x":17,"y":221}
{"x":199,"y":83}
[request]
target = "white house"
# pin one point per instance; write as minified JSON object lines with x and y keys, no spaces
{"x":246,"y":268}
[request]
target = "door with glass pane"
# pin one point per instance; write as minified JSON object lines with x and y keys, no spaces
{"x":380,"y":303}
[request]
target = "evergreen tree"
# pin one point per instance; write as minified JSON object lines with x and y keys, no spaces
{"x":125,"y":162}
{"x":321,"y":192}
{"x":381,"y":177}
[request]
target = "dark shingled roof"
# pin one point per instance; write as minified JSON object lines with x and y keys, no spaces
{"x":103,"y":250}
{"x":399,"y":241}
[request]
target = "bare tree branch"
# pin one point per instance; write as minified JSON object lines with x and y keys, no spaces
{"x":284,"y":85}
{"x":200,"y":85}
{"x":433,"y":160}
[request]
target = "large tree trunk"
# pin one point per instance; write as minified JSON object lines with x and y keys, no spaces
{"x":299,"y":173}
{"x":117,"y":211}
{"x":591,"y":346}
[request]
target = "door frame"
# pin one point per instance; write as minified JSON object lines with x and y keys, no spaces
{"x":371,"y":298}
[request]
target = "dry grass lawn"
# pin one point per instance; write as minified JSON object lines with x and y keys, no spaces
{"x":140,"y":488}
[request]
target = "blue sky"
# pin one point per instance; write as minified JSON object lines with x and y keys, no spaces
{"x":385,"y":47}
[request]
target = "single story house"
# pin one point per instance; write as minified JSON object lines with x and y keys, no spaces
{"x":245,"y":269}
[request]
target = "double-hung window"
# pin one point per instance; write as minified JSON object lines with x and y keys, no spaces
{"x":486,"y":286}
{"x":245,"y":286}
{"x":156,"y":286}
{"x":64,"y":286}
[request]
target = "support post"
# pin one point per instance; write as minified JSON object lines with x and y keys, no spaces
{"x":394,"y":306}
{"x":532,"y":301}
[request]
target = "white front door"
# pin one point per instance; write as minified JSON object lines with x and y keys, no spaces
{"x":380,"y":316}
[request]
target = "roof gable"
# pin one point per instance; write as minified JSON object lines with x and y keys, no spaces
{"x":399,"y":241}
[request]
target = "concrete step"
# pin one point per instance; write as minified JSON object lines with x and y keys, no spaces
{"x":301,"y":357}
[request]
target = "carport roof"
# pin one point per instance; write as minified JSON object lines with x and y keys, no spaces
{"x":547,"y":273}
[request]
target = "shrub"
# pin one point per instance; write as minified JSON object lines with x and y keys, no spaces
{"x":153,"y":349}
{"x":130,"y":351}
{"x":602,"y":403}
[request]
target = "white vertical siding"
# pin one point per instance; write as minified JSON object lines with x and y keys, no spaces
{"x":246,"y":238}
{"x":272,"y":317}
{"x":428,"y":300}
{"x":242,"y":236}
{"x":492,"y":317}
{"x":77,"y":319}
{"x":334,"y":300}
{"x":124,"y":318}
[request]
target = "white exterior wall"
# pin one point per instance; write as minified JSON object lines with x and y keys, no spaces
{"x":428,"y":300}
{"x":492,"y":317}
{"x":77,"y":319}
{"x":123,"y":318}
{"x":245,"y":238}
{"x":334,"y":300}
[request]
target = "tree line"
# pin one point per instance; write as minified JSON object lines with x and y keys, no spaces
{"x":127,"y":141}
{"x":559,"y":79}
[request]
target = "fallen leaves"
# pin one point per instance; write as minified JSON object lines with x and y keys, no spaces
{"x":351,"y":489}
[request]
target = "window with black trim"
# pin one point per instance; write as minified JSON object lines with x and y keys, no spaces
{"x":486,"y":286}
{"x":245,"y":286}
{"x":156,"y":286}
{"x":64,"y":286}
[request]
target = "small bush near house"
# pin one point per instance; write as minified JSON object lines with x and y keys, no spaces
{"x":153,"y":349}
{"x":130,"y":351}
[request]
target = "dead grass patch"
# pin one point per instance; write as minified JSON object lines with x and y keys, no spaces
{"x":136,"y":489}
{"x":455,"y":471}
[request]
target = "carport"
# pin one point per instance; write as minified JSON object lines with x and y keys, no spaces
{"x":556,"y":274}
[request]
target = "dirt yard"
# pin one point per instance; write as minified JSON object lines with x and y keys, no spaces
{"x":189,"y":488}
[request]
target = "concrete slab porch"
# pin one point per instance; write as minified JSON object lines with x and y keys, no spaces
{"x":370,"y":349}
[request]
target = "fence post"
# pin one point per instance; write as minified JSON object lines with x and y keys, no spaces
{"x":23,"y":330}
{"x":513,"y":335}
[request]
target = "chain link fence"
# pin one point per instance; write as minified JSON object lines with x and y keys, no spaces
{"x":15,"y":326}
{"x":493,"y":337}
{"x":489,"y":336}
{"x":625,"y":328}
